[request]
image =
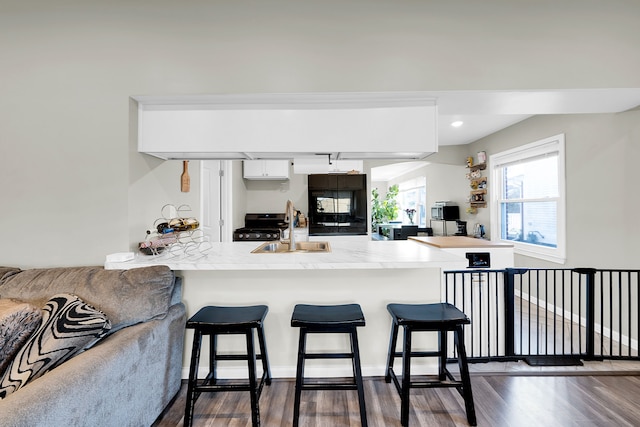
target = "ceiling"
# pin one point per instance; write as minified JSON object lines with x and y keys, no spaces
{"x":486,"y":112}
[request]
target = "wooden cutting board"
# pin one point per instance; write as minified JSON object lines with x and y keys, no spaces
{"x":185,"y":180}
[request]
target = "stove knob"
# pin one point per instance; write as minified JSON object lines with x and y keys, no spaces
{"x":268,"y":236}
{"x":257,"y":235}
{"x":240,"y":236}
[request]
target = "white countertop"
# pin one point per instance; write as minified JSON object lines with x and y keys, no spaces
{"x":348,"y":252}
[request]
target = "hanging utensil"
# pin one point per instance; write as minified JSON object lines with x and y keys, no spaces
{"x":185,"y":180}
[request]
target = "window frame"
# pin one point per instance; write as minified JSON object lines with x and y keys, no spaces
{"x":419,"y":184}
{"x":553,"y":144}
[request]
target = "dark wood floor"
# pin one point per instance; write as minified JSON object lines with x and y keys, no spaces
{"x":500,"y":400}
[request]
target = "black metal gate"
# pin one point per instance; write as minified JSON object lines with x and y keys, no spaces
{"x":548,"y":316}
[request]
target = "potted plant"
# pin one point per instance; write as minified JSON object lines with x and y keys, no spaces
{"x":410,"y":213}
{"x":383,"y":211}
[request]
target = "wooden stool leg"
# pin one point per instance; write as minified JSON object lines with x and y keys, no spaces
{"x":464,"y":373}
{"x":264,"y":356}
{"x":393,"y":339}
{"x":406,"y":377}
{"x":213,"y":362}
{"x":302,"y":344}
{"x":193,"y":377}
{"x":253,"y":383}
{"x":442,"y":359}
{"x":357,"y":373}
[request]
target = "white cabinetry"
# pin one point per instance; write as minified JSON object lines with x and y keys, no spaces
{"x":346,"y":126}
{"x":266,"y":169}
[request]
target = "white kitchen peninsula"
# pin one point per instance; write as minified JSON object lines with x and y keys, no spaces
{"x":357,"y":270}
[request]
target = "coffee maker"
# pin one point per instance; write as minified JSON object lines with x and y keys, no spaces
{"x":462,"y":228}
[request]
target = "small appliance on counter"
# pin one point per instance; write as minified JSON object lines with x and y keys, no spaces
{"x":445,"y":211}
{"x":261,"y":227}
{"x":462,"y":228}
{"x":478,"y":231}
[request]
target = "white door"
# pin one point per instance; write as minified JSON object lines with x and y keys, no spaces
{"x":216,"y":200}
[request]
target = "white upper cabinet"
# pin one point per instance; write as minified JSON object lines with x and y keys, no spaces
{"x":351,"y":126}
{"x":266,"y":169}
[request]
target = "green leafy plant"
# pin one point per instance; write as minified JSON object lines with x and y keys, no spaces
{"x":383,"y":211}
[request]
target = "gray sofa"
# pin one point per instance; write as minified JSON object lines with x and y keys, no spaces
{"x":130,"y":375}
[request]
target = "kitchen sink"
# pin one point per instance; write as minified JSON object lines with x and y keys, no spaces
{"x":283,"y":247}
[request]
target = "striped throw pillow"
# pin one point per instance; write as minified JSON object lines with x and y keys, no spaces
{"x":69,"y":326}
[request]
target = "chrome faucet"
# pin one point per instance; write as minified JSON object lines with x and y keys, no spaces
{"x":290,"y":219}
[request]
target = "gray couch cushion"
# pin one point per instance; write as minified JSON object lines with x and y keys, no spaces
{"x":69,"y":326}
{"x":18,"y":320}
{"x":6,"y":272}
{"x":127,"y":297}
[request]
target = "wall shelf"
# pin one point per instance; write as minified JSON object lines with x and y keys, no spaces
{"x":478,"y":184}
{"x":479,"y":166}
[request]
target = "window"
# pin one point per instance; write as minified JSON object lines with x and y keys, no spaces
{"x":528,"y":207}
{"x":413,"y":195}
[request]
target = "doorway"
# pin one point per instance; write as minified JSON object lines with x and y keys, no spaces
{"x":216,"y":200}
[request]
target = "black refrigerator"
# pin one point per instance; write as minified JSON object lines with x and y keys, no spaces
{"x":337,"y":204}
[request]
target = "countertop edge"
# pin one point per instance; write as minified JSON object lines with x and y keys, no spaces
{"x":186,"y":266}
{"x":470,"y":243}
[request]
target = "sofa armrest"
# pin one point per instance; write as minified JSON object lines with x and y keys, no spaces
{"x":176,"y":293}
{"x":125,"y":380}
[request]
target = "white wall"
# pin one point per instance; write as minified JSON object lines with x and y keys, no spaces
{"x":73,"y":187}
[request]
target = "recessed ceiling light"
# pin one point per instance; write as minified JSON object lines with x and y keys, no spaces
{"x":457,"y":123}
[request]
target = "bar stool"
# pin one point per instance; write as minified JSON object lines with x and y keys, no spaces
{"x":214,"y":321}
{"x":322,"y":319}
{"x":440,"y":317}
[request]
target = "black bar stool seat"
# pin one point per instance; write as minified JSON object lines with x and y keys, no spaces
{"x":328,"y":319}
{"x":441,"y":318}
{"x":214,"y":321}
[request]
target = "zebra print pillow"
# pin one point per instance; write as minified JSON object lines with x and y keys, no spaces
{"x":69,"y":326}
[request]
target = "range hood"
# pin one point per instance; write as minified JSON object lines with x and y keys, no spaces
{"x":283,"y":126}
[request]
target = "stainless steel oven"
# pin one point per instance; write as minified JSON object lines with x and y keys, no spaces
{"x":260,"y":227}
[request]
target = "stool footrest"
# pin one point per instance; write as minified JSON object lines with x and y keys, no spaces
{"x":435,"y":383}
{"x":330,"y":386}
{"x":225,"y":387}
{"x":328,"y":356}
{"x":206,"y":384}
{"x":419,"y":354}
{"x":427,"y":382}
{"x":235,"y":357}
